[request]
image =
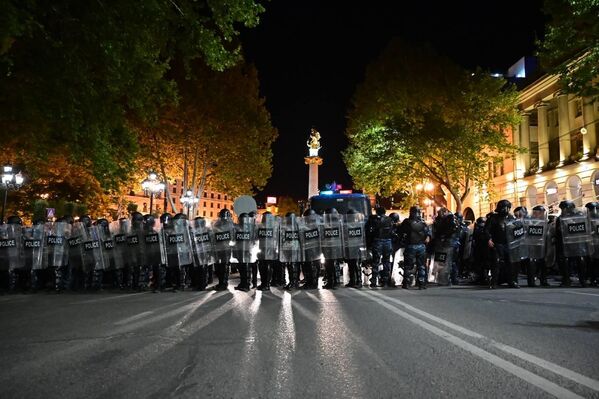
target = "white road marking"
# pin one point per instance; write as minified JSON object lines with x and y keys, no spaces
{"x":531,"y":378}
{"x":564,"y":372}
{"x":133,"y":318}
{"x":581,"y":293}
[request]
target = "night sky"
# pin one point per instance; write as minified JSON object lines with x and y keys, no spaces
{"x":311,"y":55}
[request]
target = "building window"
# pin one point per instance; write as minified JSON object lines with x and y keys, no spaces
{"x":211,"y":214}
{"x":217,"y":206}
{"x":225,"y":207}
{"x":174,"y":189}
{"x":226,"y":194}
{"x":531,"y":197}
{"x":552,"y":117}
{"x":574,"y":190}
{"x":205,"y":195}
{"x":218,"y":196}
{"x":551,"y":196}
{"x":211,"y":195}
{"x":204,"y":204}
{"x":578,"y":108}
{"x":204,"y":213}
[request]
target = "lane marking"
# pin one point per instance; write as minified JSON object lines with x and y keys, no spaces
{"x":133,"y":318}
{"x":564,"y":372}
{"x":581,"y":293}
{"x":527,"y":376}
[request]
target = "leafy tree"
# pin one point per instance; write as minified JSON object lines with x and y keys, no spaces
{"x":76,"y":76}
{"x":571,"y":44}
{"x":286,"y":205}
{"x":419,"y":116}
{"x":219,"y":134}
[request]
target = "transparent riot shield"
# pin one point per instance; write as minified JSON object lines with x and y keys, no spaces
{"x":594,"y":245}
{"x":56,"y":246}
{"x":154,"y":253}
{"x":535,"y":237}
{"x":224,"y":235}
{"x":119,"y":230}
{"x":93,"y":254}
{"x":354,"y":238}
{"x":108,"y":247}
{"x":576,"y":234}
{"x":178,"y":244}
{"x":135,"y":245}
{"x":515,"y":234}
{"x":244,"y":241}
{"x":203,"y":242}
{"x":290,"y":247}
{"x":332,"y":236}
{"x":268,"y":238}
{"x":75,"y":241}
{"x":310,"y":227}
{"x":441,"y":262}
{"x":10,"y":247}
{"x":33,"y":247}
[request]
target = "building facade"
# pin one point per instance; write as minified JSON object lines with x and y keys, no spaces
{"x":209,"y":204}
{"x":559,"y":133}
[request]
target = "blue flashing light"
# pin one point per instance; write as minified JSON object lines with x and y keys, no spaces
{"x":327,"y":192}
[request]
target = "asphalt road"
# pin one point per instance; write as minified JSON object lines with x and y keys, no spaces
{"x":459,"y":342}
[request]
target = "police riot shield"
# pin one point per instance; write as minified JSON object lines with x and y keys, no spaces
{"x":535,"y":237}
{"x":224,"y":234}
{"x":119,"y":230}
{"x":290,"y":249}
{"x":93,"y":254}
{"x":354,"y":239}
{"x":310,"y":237}
{"x":244,"y":240}
{"x":467,"y":243}
{"x":135,"y":244}
{"x":514,"y":230}
{"x":178,"y":243}
{"x":10,"y":247}
{"x":56,"y":246}
{"x":33,"y":247}
{"x":576,"y":234}
{"x":267,"y":234}
{"x":154,"y":249}
{"x":332,"y":236}
{"x":75,"y":242}
{"x":203,"y":241}
{"x":594,"y":245}
{"x":550,"y":244}
{"x":442,"y":261}
{"x":108,"y":247}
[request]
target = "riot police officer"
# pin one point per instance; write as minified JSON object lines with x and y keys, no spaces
{"x":290,"y":253}
{"x":332,"y":247}
{"x":244,"y":242}
{"x":311,"y":246}
{"x":10,"y":252}
{"x":445,"y":245}
{"x":57,"y":251}
{"x":417,"y":236}
{"x":593,"y":261}
{"x":203,"y":240}
{"x":33,"y":249}
{"x":354,"y":246}
{"x":396,"y":242}
{"x":380,"y":229}
{"x":573,"y":237}
{"x":268,"y":248}
{"x":480,"y":251}
{"x":535,"y":242}
{"x":154,"y":255}
{"x":224,"y":234}
{"x":497,"y":240}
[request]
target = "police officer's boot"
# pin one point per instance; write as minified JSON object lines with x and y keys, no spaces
{"x":329,"y":268}
{"x":265,"y":275}
{"x":244,"y":280}
{"x":358,"y":275}
{"x":582,"y":271}
{"x":202,"y":275}
{"x":220,"y":270}
{"x":531,"y":272}
{"x":514,"y":269}
{"x":210,"y":274}
{"x":338,"y":273}
{"x":254,"y":267}
{"x":293,"y":270}
{"x":352,"y":274}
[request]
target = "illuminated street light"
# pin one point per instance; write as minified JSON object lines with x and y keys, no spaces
{"x":10,"y":180}
{"x":189,"y":200}
{"x":152,"y":187}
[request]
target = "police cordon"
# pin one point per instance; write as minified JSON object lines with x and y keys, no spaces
{"x":295,"y":251}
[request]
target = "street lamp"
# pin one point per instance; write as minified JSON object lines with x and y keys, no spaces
{"x":10,"y":180}
{"x":152,"y":186}
{"x":189,"y":200}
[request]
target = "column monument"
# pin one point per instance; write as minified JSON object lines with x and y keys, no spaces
{"x":313,"y":161}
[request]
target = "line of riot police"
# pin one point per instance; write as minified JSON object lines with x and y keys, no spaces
{"x":143,"y":252}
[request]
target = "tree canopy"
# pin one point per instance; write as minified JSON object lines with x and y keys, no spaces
{"x":419,"y":116}
{"x":571,"y":44}
{"x":76,"y":77}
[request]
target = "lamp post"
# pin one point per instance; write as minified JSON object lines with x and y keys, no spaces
{"x":152,"y":186}
{"x":189,"y":200}
{"x":426,"y":187}
{"x":10,"y":180}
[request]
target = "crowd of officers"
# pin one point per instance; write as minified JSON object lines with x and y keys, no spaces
{"x":145,"y":252}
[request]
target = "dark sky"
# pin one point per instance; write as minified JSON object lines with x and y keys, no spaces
{"x":311,"y":55}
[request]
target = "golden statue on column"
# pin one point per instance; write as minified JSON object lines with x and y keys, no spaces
{"x":313,"y":161}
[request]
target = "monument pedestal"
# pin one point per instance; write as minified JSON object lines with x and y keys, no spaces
{"x":313,"y":163}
